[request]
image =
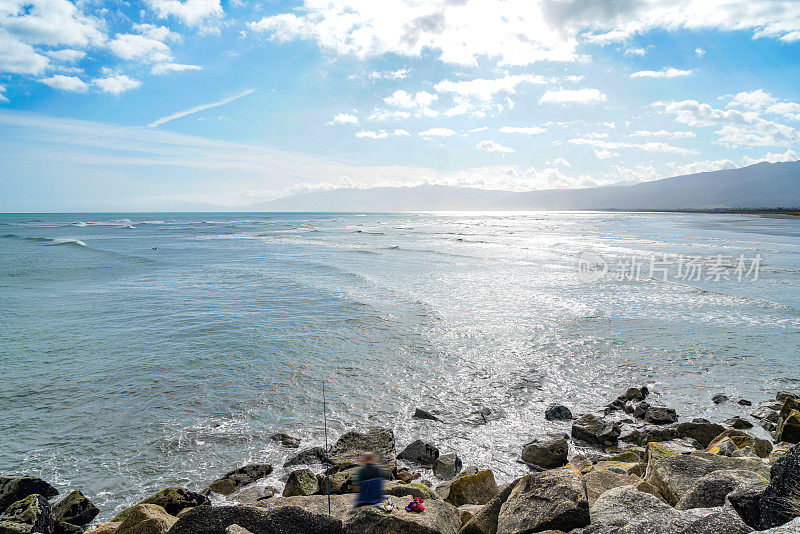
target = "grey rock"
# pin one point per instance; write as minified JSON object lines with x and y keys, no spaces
{"x":745,"y":500}
{"x":173,"y":500}
{"x":719,"y":520}
{"x":311,"y":456}
{"x":16,"y":488}
{"x":287,"y":441}
{"x":29,"y":515}
{"x":419,"y":413}
{"x":419,"y":452}
{"x":634,"y":394}
{"x":447,"y":466}
{"x":703,"y":432}
{"x":301,"y":482}
{"x":644,"y":433}
{"x":284,"y":520}
{"x":350,"y":447}
{"x":76,"y":509}
{"x":719,"y":398}
{"x":438,"y":518}
{"x":641,"y":409}
{"x":626,"y":509}
{"x":738,"y":423}
{"x":744,"y":402}
{"x":712,"y":489}
{"x":779,"y":503}
{"x":660,"y":415}
{"x":485,"y":520}
{"x":554,"y":500}
{"x":548,"y":454}
{"x":792,"y":527}
{"x":557,"y":412}
{"x":239,"y":478}
{"x":479,"y":488}
{"x":765,"y":412}
{"x":595,"y":431}
{"x":236,"y":529}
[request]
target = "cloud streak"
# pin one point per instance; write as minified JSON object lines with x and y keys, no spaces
{"x":180,"y":114}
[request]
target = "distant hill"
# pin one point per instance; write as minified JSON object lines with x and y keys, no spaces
{"x":763,"y":185}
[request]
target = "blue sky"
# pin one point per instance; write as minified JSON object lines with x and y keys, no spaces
{"x":199,"y":104}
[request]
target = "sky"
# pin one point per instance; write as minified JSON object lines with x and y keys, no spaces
{"x":223,"y":104}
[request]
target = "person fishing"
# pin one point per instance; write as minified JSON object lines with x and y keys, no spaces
{"x":369,"y":480}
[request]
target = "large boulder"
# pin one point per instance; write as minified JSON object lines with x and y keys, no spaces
{"x":311,"y":456}
{"x":31,"y":514}
{"x":438,"y":518}
{"x":286,"y":441}
{"x":712,"y":489}
{"x":479,"y":488}
{"x":549,"y":454}
{"x":315,"y":504}
{"x":105,"y":528}
{"x":350,"y":447}
{"x":146,"y":519}
{"x":281,"y":520}
{"x":674,"y":476}
{"x":719,"y":520}
{"x":419,"y":452}
{"x":792,"y":527}
{"x":240,"y":477}
{"x":447,"y":466}
{"x":704,"y":433}
{"x":399,"y":489}
{"x":660,"y":415}
{"x":789,"y":427}
{"x":76,"y":509}
{"x":420,"y":413}
{"x":16,"y":488}
{"x":600,"y":481}
{"x":741,"y":439}
{"x":301,"y":482}
{"x":779,"y":503}
{"x":595,"y":430}
{"x":643,"y":433}
{"x":745,"y":500}
{"x":554,"y":499}
{"x":484,"y":521}
{"x":557,"y":412}
{"x":173,"y":500}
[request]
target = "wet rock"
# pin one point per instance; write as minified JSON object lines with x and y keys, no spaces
{"x":301,"y":482}
{"x":703,"y":432}
{"x":147,"y":519}
{"x":789,"y":427}
{"x":420,"y":452}
{"x":765,"y":412}
{"x":595,"y":431}
{"x":738,"y":423}
{"x":548,"y":454}
{"x":173,"y":500}
{"x":554,"y":499}
{"x":660,"y":415}
{"x":280,"y":520}
{"x":779,"y":503}
{"x":76,"y":509}
{"x":712,"y":489}
{"x":557,"y":412}
{"x":419,"y":413}
{"x":719,"y":398}
{"x":16,"y":488}
{"x":447,"y":466}
{"x":781,"y":396}
{"x":238,"y":478}
{"x":600,"y":481}
{"x":311,"y":456}
{"x":641,"y":409}
{"x":479,"y":488}
{"x":350,"y":447}
{"x":286,"y":441}
{"x":485,"y":520}
{"x":438,"y":518}
{"x":483,"y":416}
{"x":644,"y":433}
{"x":744,"y":402}
{"x":634,"y":394}
{"x":741,"y":439}
{"x":407,"y":476}
{"x":28,"y":515}
{"x":745,"y":500}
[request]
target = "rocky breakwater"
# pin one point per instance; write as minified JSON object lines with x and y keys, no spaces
{"x":632,"y":467}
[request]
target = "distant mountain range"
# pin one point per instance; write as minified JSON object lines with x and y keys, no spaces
{"x":763,"y":185}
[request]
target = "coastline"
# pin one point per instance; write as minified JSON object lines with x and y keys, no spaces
{"x":628,"y":467}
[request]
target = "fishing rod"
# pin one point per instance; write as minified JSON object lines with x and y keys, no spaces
{"x":325,"y":423}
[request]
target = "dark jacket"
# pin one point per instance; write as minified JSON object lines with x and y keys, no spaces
{"x":369,"y":480}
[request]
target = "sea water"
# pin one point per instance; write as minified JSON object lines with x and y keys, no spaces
{"x":139,"y":351}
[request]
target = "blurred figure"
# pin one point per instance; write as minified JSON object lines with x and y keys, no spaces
{"x":369,"y":480}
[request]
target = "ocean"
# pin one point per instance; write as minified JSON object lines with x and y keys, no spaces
{"x":139,"y":351}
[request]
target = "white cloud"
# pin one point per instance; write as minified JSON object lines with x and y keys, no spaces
{"x":699,"y":51}
{"x":527,"y":130}
{"x":71,"y":84}
{"x":479,"y":129}
{"x":437,"y":132}
{"x":385,"y":115}
{"x":420,"y":101}
{"x":613,"y":36}
{"x":486,"y":89}
{"x":662,"y":133}
{"x":190,"y":12}
{"x":702,"y":166}
{"x":166,"y":68}
{"x":381,"y":134}
{"x":599,"y":143}
{"x":3,"y":98}
{"x":116,"y":84}
{"x":567,"y":96}
{"x":639,"y":173}
{"x":663,"y":73}
{"x":757,"y":99}
{"x":343,"y":118}
{"x":771,"y":157}
{"x":398,"y":74}
{"x":604,"y":153}
{"x":635,"y":51}
{"x":491,"y":146}
{"x":66,"y":55}
{"x":401,"y":133}
{"x":180,"y":114}
{"x":790,"y":110}
{"x":148,"y":45}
